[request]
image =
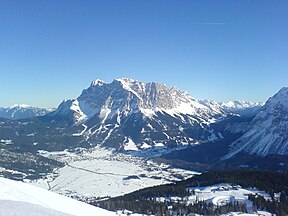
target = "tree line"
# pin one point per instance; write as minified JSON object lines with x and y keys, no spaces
{"x":145,"y":200}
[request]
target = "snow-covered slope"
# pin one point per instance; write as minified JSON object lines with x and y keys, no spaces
{"x":138,"y":114}
{"x":244,"y":108}
{"x":268,"y":134}
{"x":22,"y":111}
{"x":20,"y":199}
{"x":17,"y":208}
{"x":219,"y":195}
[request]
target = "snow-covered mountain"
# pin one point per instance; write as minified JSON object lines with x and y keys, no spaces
{"x":244,"y":108}
{"x":268,"y":134}
{"x":21,"y":111}
{"x":139,"y":115}
{"x":20,"y":199}
{"x":125,"y":96}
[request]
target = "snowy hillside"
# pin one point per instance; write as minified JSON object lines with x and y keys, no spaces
{"x":22,"y":111}
{"x":244,"y":108}
{"x":220,"y":195}
{"x":139,"y":115}
{"x":20,"y":199}
{"x":210,"y":193}
{"x":268,"y":134}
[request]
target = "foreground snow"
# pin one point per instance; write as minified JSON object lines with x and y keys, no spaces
{"x":18,"y":198}
{"x":16,"y":208}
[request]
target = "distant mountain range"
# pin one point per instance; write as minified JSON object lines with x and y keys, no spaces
{"x":146,"y":119}
{"x":243,"y":108}
{"x":21,"y":111}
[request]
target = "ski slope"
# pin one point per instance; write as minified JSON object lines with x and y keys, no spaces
{"x":20,"y":199}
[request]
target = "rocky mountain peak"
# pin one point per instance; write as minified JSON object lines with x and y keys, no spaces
{"x":129,"y":94}
{"x":97,"y":82}
{"x":20,"y":106}
{"x":129,"y":111}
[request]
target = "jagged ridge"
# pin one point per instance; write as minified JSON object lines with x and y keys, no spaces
{"x":139,"y":114}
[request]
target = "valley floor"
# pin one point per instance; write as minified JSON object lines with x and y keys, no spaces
{"x":100,"y":173}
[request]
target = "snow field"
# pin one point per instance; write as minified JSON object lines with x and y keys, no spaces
{"x":17,"y":196}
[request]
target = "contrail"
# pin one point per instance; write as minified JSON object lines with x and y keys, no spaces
{"x":210,"y":23}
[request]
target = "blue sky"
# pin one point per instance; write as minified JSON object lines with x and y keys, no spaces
{"x":217,"y":49}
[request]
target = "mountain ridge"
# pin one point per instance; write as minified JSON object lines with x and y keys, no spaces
{"x":244,"y":108}
{"x":21,"y":111}
{"x":142,"y":96}
{"x":268,"y":134}
{"x":110,"y":109}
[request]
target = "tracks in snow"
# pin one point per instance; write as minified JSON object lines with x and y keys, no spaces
{"x":95,"y":172}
